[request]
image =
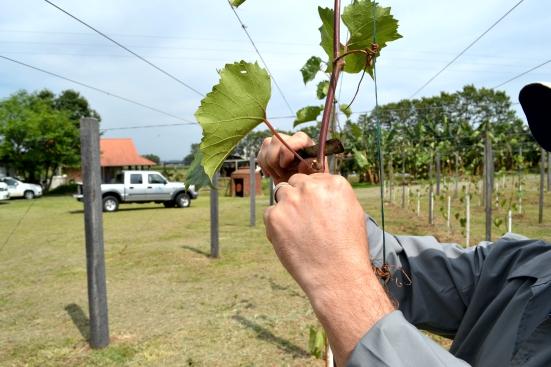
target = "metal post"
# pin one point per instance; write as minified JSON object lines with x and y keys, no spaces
{"x":93,"y":227}
{"x":542,"y":178}
{"x":431,"y":196}
{"x":510,"y":221}
{"x":252,"y":189}
{"x":214,"y":234}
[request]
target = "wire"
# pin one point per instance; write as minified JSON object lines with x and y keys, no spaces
{"x":149,"y":126}
{"x":94,"y":88}
{"x":261,"y":58}
{"x":523,"y":73}
{"x":127,"y":49}
{"x":465,"y":49}
{"x":16,"y":226}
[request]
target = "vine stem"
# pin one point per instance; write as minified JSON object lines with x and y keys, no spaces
{"x":338,"y":65}
{"x":276,"y":134}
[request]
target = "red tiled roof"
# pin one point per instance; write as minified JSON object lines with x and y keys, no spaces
{"x":121,"y":152}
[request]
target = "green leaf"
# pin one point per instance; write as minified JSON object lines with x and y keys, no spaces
{"x":236,"y":3}
{"x":307,"y":114}
{"x":326,"y":30}
{"x":310,"y":69}
{"x":358,"y":18}
{"x":195,"y":175}
{"x":316,"y":342}
{"x":323,"y":88}
{"x":360,"y":158}
{"x":346,"y":110}
{"x":463,"y":222}
{"x":235,"y":106}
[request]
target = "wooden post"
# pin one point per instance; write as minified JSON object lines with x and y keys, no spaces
{"x":252,"y":189}
{"x":488,"y":185}
{"x":449,"y":212}
{"x":437,"y":172}
{"x":467,"y":219}
{"x":456,"y":188}
{"x":542,"y":179}
{"x":548,"y":171}
{"x":431,"y":196}
{"x":271,"y":184}
{"x":403,"y":182}
{"x":93,"y":227}
{"x":214,"y":234}
{"x":431,"y":208}
{"x":510,"y":221}
{"x":418,"y":203}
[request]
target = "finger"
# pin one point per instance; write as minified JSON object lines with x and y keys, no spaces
{"x":296,"y":142}
{"x":282,"y":192}
{"x":298,"y":179}
{"x":267,"y":222}
{"x":272,"y":160}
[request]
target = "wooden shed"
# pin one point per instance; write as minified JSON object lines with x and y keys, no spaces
{"x":240,"y":182}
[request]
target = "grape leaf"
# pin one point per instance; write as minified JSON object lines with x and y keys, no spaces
{"x":326,"y":30}
{"x":310,"y":69}
{"x":306,"y":114}
{"x":358,"y":18}
{"x":323,"y":88}
{"x":195,"y":175}
{"x":235,"y":106}
{"x":345,"y":108}
{"x":361,"y":159}
{"x":236,"y":3}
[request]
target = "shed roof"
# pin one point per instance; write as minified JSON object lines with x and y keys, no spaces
{"x":121,"y":152}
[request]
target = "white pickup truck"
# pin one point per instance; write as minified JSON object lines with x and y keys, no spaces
{"x":143,"y":187}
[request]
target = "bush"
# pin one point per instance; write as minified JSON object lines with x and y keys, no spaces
{"x":68,"y":189}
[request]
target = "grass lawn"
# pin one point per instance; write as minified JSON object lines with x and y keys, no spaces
{"x":169,"y":304}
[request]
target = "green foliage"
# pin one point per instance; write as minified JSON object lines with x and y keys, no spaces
{"x":322,"y":89}
{"x":235,"y":106}
{"x":326,"y":31}
{"x":307,"y":114}
{"x":196,"y":175}
{"x":358,"y":18}
{"x":310,"y":69}
{"x":194,"y":148}
{"x":346,"y":110}
{"x":37,"y":138}
{"x":316,"y":342}
{"x":153,"y":157}
{"x":236,"y":3}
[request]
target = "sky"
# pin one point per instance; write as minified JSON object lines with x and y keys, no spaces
{"x":194,"y":39}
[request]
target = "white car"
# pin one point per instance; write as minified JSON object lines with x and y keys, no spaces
{"x":4,"y":193}
{"x":19,"y":189}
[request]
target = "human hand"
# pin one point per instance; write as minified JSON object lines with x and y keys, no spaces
{"x":317,"y":229}
{"x":279,"y":162}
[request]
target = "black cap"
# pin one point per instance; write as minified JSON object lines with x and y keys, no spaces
{"x":535,"y":99}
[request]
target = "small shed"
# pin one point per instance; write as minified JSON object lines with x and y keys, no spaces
{"x":241,"y":181}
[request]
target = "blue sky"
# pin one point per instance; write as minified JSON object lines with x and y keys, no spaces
{"x":192,"y":39}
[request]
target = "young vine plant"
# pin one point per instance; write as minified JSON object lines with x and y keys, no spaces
{"x":238,"y":103}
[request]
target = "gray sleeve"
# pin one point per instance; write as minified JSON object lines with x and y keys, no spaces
{"x":432,"y":282}
{"x":394,"y":342}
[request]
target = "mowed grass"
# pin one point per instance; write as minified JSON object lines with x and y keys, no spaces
{"x":169,"y":303}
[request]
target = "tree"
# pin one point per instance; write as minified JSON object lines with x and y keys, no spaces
{"x":188,"y":159}
{"x":37,"y":139}
{"x":153,"y":157}
{"x":70,"y":101}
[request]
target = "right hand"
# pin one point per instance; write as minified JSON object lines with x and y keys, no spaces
{"x":278,"y":162}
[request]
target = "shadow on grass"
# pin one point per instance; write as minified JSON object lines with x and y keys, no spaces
{"x":79,"y":319}
{"x":196,"y":250}
{"x":267,"y":336}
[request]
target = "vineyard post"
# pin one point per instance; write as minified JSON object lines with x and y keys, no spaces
{"x":271,"y":185}
{"x":548,"y":171}
{"x":437,"y":172}
{"x":390,"y":178}
{"x":467,"y":218}
{"x":407,"y":196}
{"x":510,"y":221}
{"x":418,"y":203}
{"x":488,"y":184}
{"x":542,"y":179}
{"x":403,"y":182}
{"x":456,"y":188}
{"x":449,"y":211}
{"x":214,"y":229}
{"x":93,"y":228}
{"x":252,"y":189}
{"x":431,"y":208}
{"x":430,"y":191}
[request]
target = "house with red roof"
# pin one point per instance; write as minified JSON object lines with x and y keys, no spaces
{"x":117,"y":154}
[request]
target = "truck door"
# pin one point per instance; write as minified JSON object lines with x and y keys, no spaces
{"x":157,"y":188}
{"x":137,"y":188}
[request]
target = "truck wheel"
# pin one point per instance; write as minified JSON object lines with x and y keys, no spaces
{"x":110,"y":204}
{"x":183,"y":200}
{"x":169,"y":204}
{"x":29,"y":195}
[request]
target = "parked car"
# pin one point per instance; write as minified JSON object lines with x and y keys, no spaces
{"x":143,"y":187}
{"x":4,"y":193}
{"x":18,"y":189}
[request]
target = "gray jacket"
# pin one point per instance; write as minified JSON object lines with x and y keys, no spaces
{"x":493,"y":300}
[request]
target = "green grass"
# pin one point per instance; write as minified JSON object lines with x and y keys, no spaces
{"x":169,"y":303}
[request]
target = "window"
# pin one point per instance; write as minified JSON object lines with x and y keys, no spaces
{"x":10,"y":181}
{"x":136,"y":178}
{"x":156,"y":179}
